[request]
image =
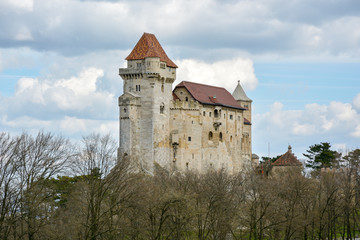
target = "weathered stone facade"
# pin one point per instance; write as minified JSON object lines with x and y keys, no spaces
{"x":184,"y":128}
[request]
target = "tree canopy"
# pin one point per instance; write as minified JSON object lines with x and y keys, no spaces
{"x":321,"y":156}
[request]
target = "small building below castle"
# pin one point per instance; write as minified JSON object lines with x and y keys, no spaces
{"x":192,"y":126}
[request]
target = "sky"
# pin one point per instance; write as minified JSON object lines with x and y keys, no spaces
{"x":298,"y":60}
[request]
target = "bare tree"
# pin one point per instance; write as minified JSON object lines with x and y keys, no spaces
{"x":105,"y":188}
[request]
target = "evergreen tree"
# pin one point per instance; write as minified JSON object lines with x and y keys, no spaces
{"x":321,"y":156}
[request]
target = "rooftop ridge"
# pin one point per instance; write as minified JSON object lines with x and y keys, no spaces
{"x":202,"y":84}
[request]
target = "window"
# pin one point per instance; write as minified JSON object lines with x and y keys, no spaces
{"x":189,"y":139}
{"x":193,"y":156}
{"x":186,"y":99}
{"x":239,"y":118}
{"x":125,"y":110}
{"x":216,"y":113}
{"x":231,"y":117}
{"x":138,"y":88}
{"x":210,"y":135}
{"x":187,"y":165}
{"x":224,"y":115}
{"x":148,"y":64}
{"x":230,"y":138}
{"x":209,"y":114}
{"x":162,"y":87}
{"x":162,"y":107}
{"x":204,"y":113}
{"x":162,"y":65}
{"x":138,"y":65}
{"x":220,"y":137}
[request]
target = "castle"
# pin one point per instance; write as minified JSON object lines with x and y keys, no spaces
{"x":193,"y":126}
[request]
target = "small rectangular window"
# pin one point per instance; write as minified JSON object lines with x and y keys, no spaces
{"x":209,"y":114}
{"x":162,"y":65}
{"x":189,"y":139}
{"x":204,"y":113}
{"x":231,"y":116}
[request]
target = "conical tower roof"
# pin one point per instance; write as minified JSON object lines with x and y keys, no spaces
{"x":149,"y":46}
{"x":239,"y":93}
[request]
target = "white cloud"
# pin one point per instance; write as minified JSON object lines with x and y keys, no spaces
{"x":73,"y":125}
{"x":23,"y":34}
{"x":75,"y":96}
{"x":222,"y":73}
{"x":337,"y":119}
{"x":356,"y":132}
{"x":17,"y":5}
{"x":356,"y":102}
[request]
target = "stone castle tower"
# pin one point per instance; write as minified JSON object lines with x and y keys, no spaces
{"x":194,"y":126}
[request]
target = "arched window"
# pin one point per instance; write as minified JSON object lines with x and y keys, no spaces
{"x":220,"y":136}
{"x":210,"y":135}
{"x":216,"y":113}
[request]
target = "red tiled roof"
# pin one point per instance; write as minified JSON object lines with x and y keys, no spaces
{"x":247,"y":122}
{"x":149,"y":46}
{"x":211,"y":95}
{"x":287,"y":159}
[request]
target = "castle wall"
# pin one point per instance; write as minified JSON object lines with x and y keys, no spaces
{"x":193,"y":123}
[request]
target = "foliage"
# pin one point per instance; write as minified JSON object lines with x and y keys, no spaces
{"x":52,"y":189}
{"x":321,"y":156}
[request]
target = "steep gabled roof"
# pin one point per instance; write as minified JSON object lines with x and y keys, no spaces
{"x":210,"y":95}
{"x":149,"y":46}
{"x":239,"y":93}
{"x":287,"y":159}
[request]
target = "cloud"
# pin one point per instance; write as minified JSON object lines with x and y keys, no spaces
{"x":76,"y":96}
{"x":221,"y":73}
{"x":23,"y":34}
{"x":259,"y":28}
{"x":69,"y":126}
{"x":336,"y":123}
{"x":356,"y":102}
{"x":17,"y":5}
